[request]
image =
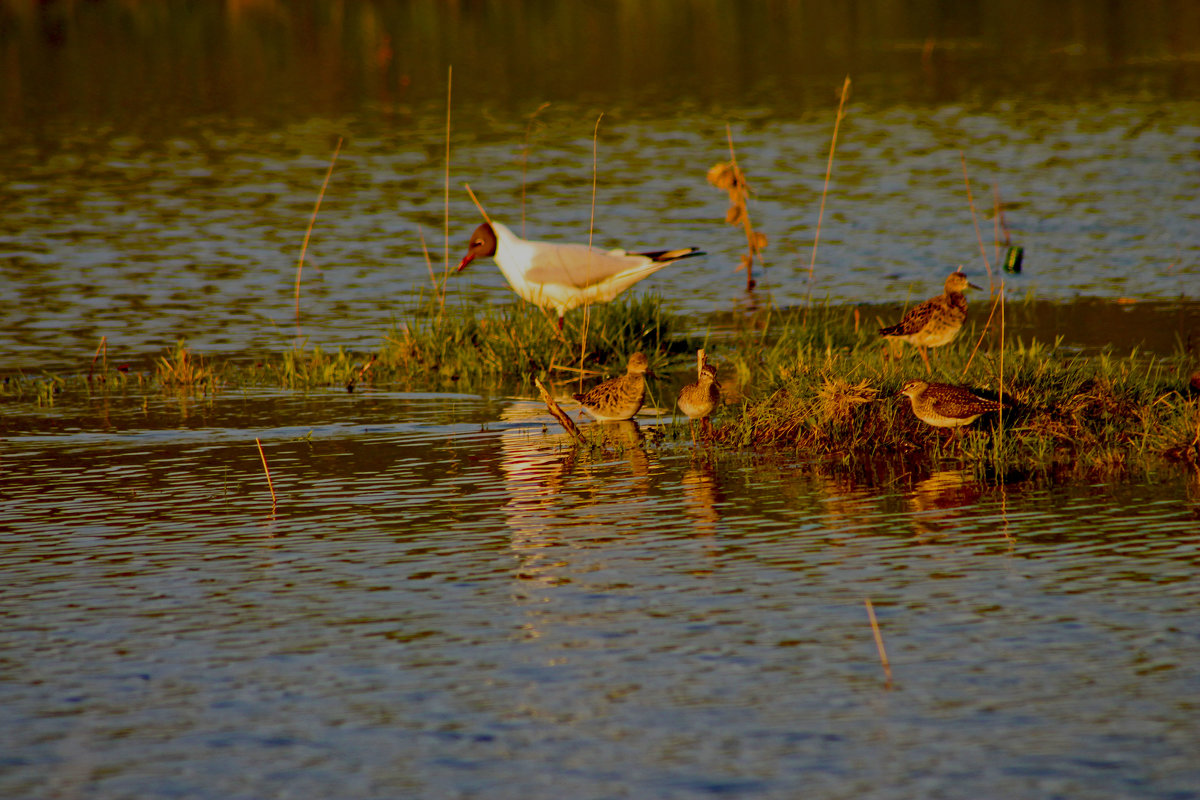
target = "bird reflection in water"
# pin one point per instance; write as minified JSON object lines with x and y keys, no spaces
{"x":551,"y":482}
{"x":846,"y":506}
{"x":934,"y":500}
{"x":702,"y":493}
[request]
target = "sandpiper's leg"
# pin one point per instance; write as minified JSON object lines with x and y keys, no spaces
{"x":925,"y":358}
{"x":560,"y":323}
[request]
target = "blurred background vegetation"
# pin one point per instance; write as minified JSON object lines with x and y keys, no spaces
{"x":127,"y":60}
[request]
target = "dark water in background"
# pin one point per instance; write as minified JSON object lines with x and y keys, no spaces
{"x":448,"y":601}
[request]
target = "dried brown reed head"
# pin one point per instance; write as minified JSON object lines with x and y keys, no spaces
{"x":728,"y":176}
{"x":838,"y":398}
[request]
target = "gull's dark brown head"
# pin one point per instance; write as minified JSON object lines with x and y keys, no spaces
{"x":483,"y":243}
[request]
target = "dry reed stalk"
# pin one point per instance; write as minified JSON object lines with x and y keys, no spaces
{"x":441,"y":290}
{"x":975,"y":219}
{"x":446,"y":199}
{"x":727,"y":175}
{"x":996,"y":223}
{"x":557,"y":412}
{"x":266,"y":469}
{"x":700,"y":362}
{"x":478,"y":205}
{"x":102,"y":348}
{"x":755,"y":241}
{"x":1000,"y":411}
{"x":883,"y":659}
{"x":587,"y":275}
{"x":986,"y":325}
{"x":525,"y":158}
{"x":837,"y":122}
{"x":313,"y":221}
{"x":1196,"y":440}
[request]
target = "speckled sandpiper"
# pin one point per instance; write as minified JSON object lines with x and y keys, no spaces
{"x":936,"y":321}
{"x":620,"y":397}
{"x":946,"y":406}
{"x":699,"y":399}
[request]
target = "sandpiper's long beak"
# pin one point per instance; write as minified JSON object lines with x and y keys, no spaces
{"x":973,"y":286}
{"x":467,"y":259}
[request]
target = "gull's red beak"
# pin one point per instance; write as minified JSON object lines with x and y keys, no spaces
{"x":467,"y":259}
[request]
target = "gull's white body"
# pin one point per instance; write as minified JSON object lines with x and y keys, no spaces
{"x":564,"y":276}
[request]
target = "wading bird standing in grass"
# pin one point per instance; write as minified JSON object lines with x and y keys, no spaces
{"x":564,"y":276}
{"x":620,"y":397}
{"x":936,"y":321}
{"x":701,"y":398}
{"x":944,"y":406}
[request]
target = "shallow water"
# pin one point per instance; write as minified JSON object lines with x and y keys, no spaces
{"x":447,"y":599}
{"x":198,"y":237}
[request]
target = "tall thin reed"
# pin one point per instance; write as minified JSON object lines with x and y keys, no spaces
{"x":727,"y":175}
{"x":102,"y":348}
{"x":837,"y":122}
{"x":446,"y":200}
{"x":439,"y":290}
{"x":755,"y":242}
{"x":558,"y":413}
{"x":478,"y":204}
{"x":982,"y":334}
{"x":996,"y":223}
{"x":975,"y":219}
{"x":266,"y":469}
{"x":311,"y":222}
{"x":587,"y":307}
{"x":1000,"y":411}
{"x":883,"y":658}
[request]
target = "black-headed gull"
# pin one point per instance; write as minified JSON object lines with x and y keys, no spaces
{"x":563,"y":276}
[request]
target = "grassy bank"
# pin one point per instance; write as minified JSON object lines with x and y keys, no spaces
{"x":1096,"y":414}
{"x":816,"y":381}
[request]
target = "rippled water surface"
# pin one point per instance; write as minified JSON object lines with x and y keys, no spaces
{"x":149,"y":210}
{"x":198,"y":236}
{"x":449,"y":601}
